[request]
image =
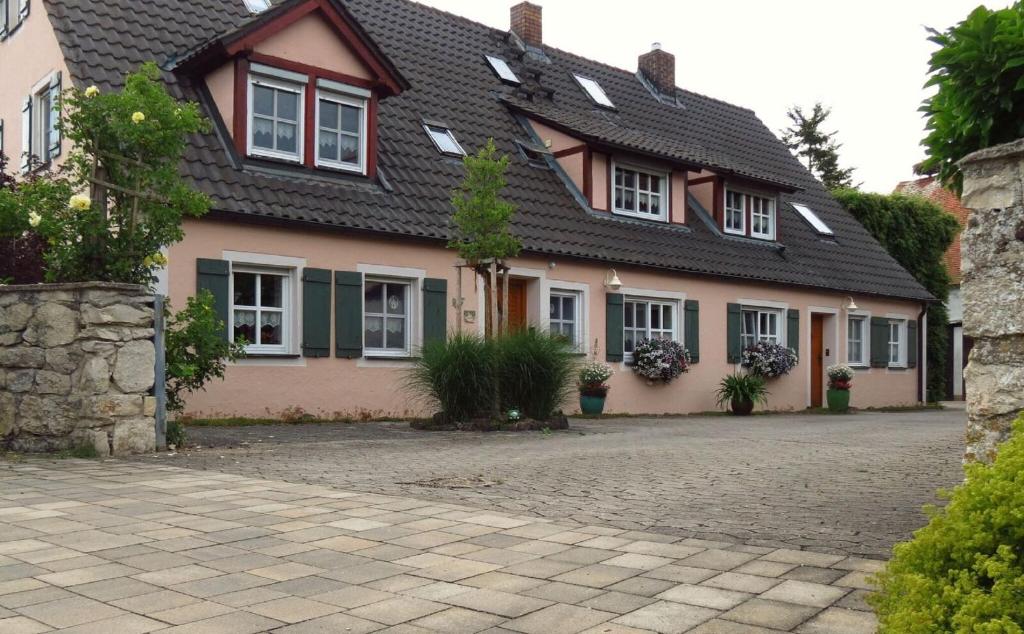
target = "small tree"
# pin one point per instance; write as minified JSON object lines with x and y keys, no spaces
{"x":916,"y":232}
{"x":818,"y":148}
{"x":482,"y":235}
{"x":979,"y":73}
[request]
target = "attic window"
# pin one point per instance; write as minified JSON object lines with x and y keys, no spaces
{"x":594,"y":91}
{"x":502,"y":70}
{"x":812,"y":219}
{"x":257,"y":6}
{"x":443,"y":139}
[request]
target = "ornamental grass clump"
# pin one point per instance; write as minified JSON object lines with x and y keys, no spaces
{"x":535,"y":371}
{"x":964,"y":571}
{"x":769,"y":359}
{"x":456,"y":376}
{"x":840,"y":376}
{"x":660,"y":359}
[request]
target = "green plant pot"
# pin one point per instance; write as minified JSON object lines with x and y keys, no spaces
{"x":838,"y":400}
{"x":591,"y":405}
{"x":742,"y":407}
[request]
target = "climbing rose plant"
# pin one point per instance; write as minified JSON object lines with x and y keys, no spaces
{"x":120,"y":197}
{"x":660,"y":359}
{"x":769,"y":359}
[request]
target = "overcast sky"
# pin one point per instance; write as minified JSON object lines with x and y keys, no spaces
{"x":867,"y":60}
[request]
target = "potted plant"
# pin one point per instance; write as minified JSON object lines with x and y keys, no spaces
{"x":840,"y":379}
{"x":741,"y":392}
{"x":593,"y":389}
{"x":660,"y":360}
{"x":769,"y":360}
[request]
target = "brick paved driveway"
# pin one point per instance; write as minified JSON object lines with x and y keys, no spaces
{"x":842,"y":484}
{"x":127,"y":547}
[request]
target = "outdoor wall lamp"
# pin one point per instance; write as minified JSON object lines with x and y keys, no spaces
{"x":850,"y":304}
{"x":612,"y":281}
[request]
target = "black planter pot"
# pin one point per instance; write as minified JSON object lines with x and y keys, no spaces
{"x":742,"y":407}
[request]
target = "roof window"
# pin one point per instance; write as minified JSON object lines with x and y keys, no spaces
{"x":812,"y":219}
{"x":257,"y":6}
{"x":443,"y":139}
{"x":594,"y":91}
{"x":502,"y":70}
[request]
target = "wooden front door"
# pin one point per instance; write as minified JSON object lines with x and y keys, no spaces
{"x":817,"y":358}
{"x":516,"y":304}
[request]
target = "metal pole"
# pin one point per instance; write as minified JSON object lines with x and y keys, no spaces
{"x":160,"y":373}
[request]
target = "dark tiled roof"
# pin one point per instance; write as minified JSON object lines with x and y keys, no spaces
{"x":441,"y":56}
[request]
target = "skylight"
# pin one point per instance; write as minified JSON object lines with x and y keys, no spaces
{"x":444,"y":140}
{"x":812,"y":219}
{"x":502,"y":70}
{"x":257,"y":6}
{"x":594,"y":91}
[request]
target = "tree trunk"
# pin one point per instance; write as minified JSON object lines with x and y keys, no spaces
{"x":504,"y":302}
{"x":493,"y":299}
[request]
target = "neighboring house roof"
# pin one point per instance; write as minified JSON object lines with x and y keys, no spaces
{"x":441,"y":56}
{"x":930,"y":188}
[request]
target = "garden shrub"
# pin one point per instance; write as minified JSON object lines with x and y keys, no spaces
{"x":456,"y":375}
{"x":535,"y":371}
{"x":964,"y":571}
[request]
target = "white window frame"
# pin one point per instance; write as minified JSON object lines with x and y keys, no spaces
{"x":663,"y":194}
{"x":900,"y":343}
{"x":287,"y":310}
{"x":39,"y":123}
{"x":412,"y":305}
{"x":675,"y":332}
{"x":728,"y":209}
{"x":300,"y":134}
{"x":758,"y":211}
{"x":865,"y":340}
{"x":762,"y":316}
{"x":443,"y":130}
{"x":345,"y":100}
{"x":577,"y":317}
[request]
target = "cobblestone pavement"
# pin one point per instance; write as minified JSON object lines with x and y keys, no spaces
{"x":129,"y":547}
{"x":840,"y":484}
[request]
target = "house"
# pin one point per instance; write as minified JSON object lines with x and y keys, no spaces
{"x":959,"y":346}
{"x":645,"y":210}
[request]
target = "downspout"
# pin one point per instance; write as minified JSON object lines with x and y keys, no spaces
{"x":922,"y":354}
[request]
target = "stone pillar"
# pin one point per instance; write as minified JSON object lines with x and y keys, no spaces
{"x":993,"y":294}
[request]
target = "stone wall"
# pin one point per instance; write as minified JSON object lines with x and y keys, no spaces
{"x":76,"y":367}
{"x":993,"y":294}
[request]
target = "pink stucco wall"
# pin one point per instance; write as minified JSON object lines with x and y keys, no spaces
{"x":27,"y":57}
{"x":259,"y":386}
{"x":221,"y":84}
{"x":312,"y":41}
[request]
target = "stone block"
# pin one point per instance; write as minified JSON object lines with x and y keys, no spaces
{"x":136,"y":435}
{"x":133,"y":370}
{"x":20,"y":380}
{"x":10,"y":338}
{"x":95,"y":376}
{"x":14,"y":317}
{"x":991,"y":189}
{"x":111,"y":405}
{"x":8,"y":413}
{"x":998,"y":388}
{"x":49,"y":382}
{"x":63,"y":360}
{"x":149,"y":406}
{"x":47,"y":415}
{"x":99,"y":440}
{"x":23,"y":357}
{"x":52,"y":325}
{"x":122,"y":314}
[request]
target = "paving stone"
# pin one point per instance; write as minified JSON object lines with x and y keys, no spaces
{"x":540,"y":568}
{"x":86,"y":575}
{"x":803,"y":558}
{"x":174,"y":576}
{"x":154,"y":601}
{"x":399,"y":583}
{"x":803,"y":593}
{"x":618,"y":602}
{"x":719,"y":626}
{"x":855,"y":579}
{"x":69,"y":611}
{"x":31,"y":597}
{"x":813,"y":574}
{"x":367,"y":572}
{"x":771,"y":614}
{"x":673,"y":551}
{"x":192,"y":612}
{"x":638,"y":561}
{"x":21,"y":625}
{"x":123,"y":624}
{"x":860,"y":564}
{"x":682,"y":574}
{"x":496,"y":602}
{"x":597,"y":575}
{"x":741,"y":582}
{"x":503,"y":581}
{"x":252,"y":596}
{"x":562,"y":592}
{"x":458,"y":621}
{"x":352,"y":597}
{"x":559,"y":619}
{"x":716,"y":559}
{"x":642,"y":586}
{"x":223,"y":584}
{"x":285,"y":571}
{"x":704,"y":596}
{"x":437,"y":591}
{"x":856,"y":600}
{"x":398,"y":610}
{"x":234,"y":623}
{"x":763,"y":568}
{"x":840,"y":621}
{"x":667,"y":617}
{"x":332,"y":624}
{"x":293,"y":609}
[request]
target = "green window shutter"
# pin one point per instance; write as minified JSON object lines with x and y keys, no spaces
{"x":348,"y":314}
{"x":733,"y":333}
{"x":214,"y":275}
{"x":912,"y":343}
{"x":613,"y":327}
{"x":316,"y":312}
{"x":691,"y":329}
{"x":793,"y":330}
{"x":435,"y":309}
{"x":879,"y":342}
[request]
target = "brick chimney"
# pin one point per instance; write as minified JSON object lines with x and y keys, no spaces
{"x":526,"y":23}
{"x":659,"y":68}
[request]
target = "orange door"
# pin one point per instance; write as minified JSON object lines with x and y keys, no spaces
{"x":817,"y":358}
{"x":516,"y":304}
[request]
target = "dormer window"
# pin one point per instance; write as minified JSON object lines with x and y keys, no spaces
{"x":762,"y":218}
{"x":749,"y":215}
{"x":443,"y":139}
{"x":594,"y":91}
{"x":641,"y":193}
{"x":275,"y":107}
{"x":341,"y":126}
{"x":735,"y":213}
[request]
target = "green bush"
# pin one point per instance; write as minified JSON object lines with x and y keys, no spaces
{"x":467,"y":375}
{"x":536,"y":371}
{"x":176,"y":434}
{"x":964,"y":571}
{"x":456,"y":375}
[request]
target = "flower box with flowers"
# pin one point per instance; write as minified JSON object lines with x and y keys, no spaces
{"x":769,"y":359}
{"x":660,"y":360}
